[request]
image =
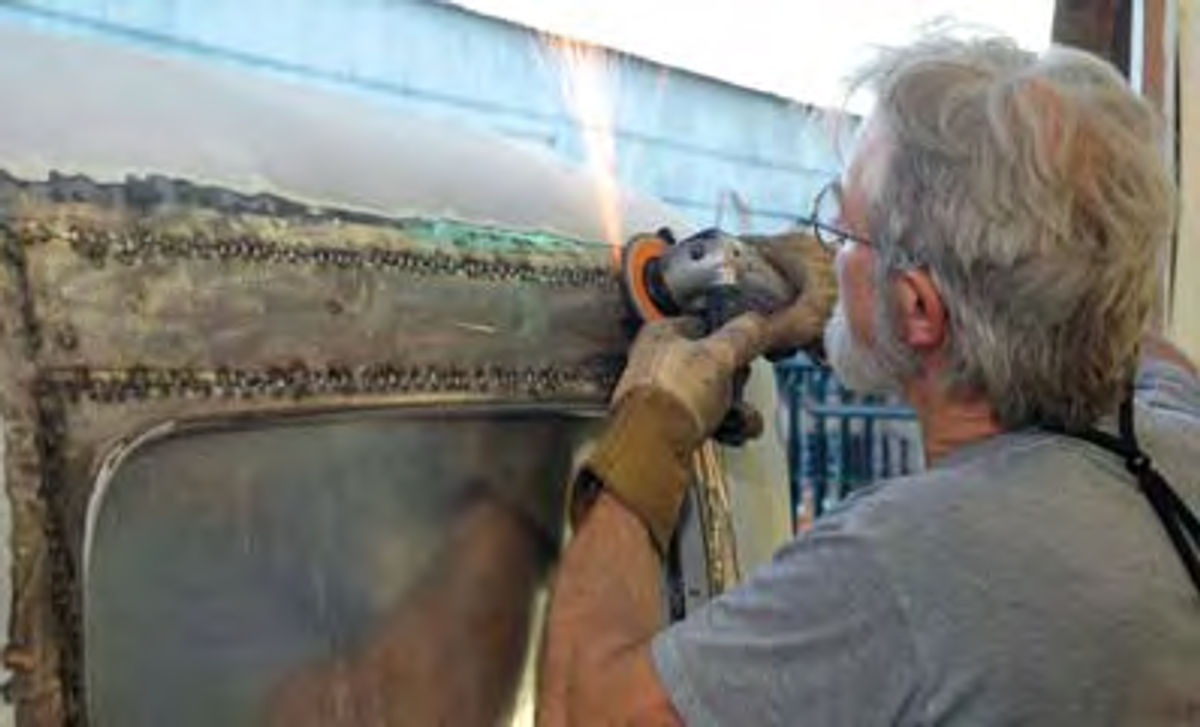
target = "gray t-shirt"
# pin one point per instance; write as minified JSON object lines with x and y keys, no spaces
{"x":1024,"y":580}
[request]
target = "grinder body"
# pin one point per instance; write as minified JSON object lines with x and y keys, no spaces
{"x":712,"y":275}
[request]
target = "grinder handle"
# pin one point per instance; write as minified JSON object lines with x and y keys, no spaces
{"x":742,"y":422}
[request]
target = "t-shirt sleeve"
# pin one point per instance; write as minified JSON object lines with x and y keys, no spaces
{"x":1165,"y":385}
{"x":815,"y":637}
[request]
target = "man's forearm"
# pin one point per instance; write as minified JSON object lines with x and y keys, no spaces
{"x":606,"y":606}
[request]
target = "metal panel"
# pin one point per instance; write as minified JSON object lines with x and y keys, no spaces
{"x":124,"y":317}
{"x":257,"y":557}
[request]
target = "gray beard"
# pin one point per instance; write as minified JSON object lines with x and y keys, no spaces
{"x":860,"y":367}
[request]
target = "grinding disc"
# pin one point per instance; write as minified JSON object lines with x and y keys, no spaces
{"x":635,"y":257}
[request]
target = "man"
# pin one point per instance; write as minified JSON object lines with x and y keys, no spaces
{"x":1001,"y":218}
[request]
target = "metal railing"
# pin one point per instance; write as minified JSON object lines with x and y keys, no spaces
{"x":839,"y":441}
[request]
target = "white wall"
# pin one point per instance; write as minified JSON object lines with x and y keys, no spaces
{"x":1185,"y":309}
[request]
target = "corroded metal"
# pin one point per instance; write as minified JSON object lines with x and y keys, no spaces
{"x":128,"y":305}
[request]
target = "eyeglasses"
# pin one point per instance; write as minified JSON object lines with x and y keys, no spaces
{"x":826,"y":218}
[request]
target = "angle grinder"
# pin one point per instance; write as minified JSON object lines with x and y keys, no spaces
{"x":713,"y":276}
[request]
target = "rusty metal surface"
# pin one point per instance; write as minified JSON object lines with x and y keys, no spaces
{"x":133,"y":304}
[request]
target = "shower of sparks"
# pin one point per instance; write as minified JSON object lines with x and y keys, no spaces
{"x":587,"y":74}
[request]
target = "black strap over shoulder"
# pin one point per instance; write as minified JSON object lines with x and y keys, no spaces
{"x":1180,"y":523}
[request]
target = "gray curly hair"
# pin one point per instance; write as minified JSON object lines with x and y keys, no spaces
{"x":1031,"y":189}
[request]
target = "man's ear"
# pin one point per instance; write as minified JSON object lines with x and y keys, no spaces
{"x":922,"y":315}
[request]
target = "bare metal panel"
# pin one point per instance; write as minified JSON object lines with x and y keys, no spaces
{"x":224,"y":563}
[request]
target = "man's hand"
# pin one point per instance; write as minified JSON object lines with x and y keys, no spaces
{"x":808,"y":265}
{"x":673,"y":394}
{"x":695,"y":373}
{"x":676,"y":390}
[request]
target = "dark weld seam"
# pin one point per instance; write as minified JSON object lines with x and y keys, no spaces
{"x":295,"y":382}
{"x":131,"y":248}
{"x":65,"y":593}
{"x":14,"y":257}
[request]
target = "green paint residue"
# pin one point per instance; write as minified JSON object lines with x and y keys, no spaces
{"x":465,"y":234}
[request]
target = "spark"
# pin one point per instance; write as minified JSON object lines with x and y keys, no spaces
{"x":586,"y":74}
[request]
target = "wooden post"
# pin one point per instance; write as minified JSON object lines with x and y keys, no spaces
{"x":1165,"y":68}
{"x":1099,"y":26}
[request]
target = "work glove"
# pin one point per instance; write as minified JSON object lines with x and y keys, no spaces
{"x":674,"y":392}
{"x":808,"y":265}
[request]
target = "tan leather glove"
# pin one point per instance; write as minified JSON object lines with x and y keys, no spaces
{"x":675,"y":390}
{"x":673,"y":393}
{"x":808,"y":265}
